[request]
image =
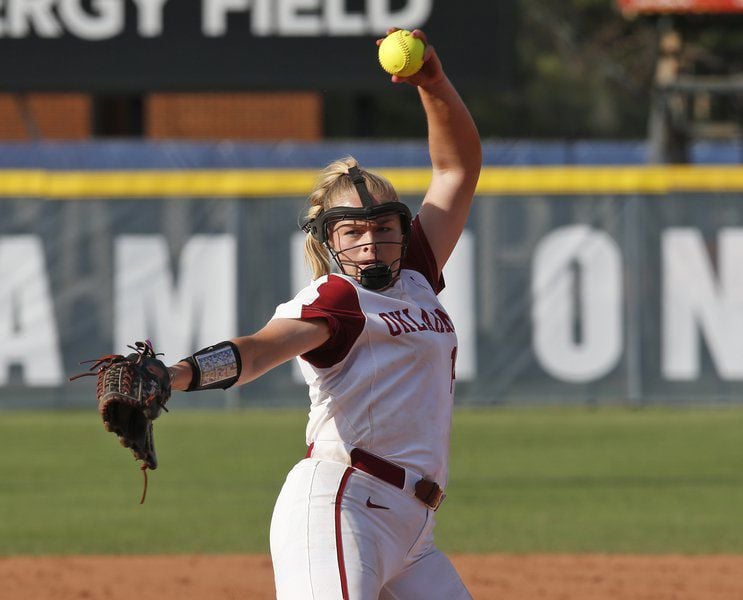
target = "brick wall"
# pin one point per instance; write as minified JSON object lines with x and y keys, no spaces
{"x":261,"y":116}
{"x":245,"y":116}
{"x":45,"y":116}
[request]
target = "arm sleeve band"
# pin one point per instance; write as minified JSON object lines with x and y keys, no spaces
{"x":217,"y":366}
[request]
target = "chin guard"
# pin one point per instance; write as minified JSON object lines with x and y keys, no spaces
{"x":376,"y":277}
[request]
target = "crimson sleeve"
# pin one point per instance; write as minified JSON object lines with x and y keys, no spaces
{"x":419,"y":257}
{"x":338,"y":303}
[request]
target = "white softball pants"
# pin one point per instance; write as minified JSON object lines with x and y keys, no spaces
{"x":340,"y":534}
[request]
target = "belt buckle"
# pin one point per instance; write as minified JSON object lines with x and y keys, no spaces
{"x":430,"y":493}
{"x":438,"y":499}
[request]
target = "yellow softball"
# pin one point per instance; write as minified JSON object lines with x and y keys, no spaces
{"x":401,"y":54}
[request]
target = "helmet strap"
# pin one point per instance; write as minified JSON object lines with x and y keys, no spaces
{"x":358,"y":181}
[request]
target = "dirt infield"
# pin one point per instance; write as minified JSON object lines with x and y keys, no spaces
{"x":501,"y":577}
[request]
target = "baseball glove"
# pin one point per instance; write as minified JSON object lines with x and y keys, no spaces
{"x":132,"y":391}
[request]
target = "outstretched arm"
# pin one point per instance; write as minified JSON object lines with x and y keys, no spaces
{"x":279,"y":341}
{"x":456,"y":155}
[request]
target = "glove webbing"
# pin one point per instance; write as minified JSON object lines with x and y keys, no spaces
{"x":104,"y":362}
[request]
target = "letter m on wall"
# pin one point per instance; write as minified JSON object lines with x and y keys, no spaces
{"x":200,"y":309}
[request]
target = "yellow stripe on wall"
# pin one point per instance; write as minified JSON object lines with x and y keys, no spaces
{"x":552,"y":180}
{"x":62,"y":185}
{"x":610,"y":180}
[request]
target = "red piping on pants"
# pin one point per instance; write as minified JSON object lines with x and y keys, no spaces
{"x":338,"y":538}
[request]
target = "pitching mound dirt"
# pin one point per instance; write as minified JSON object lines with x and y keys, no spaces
{"x":501,"y":577}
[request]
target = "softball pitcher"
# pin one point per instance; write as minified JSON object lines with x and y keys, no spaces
{"x":355,"y":517}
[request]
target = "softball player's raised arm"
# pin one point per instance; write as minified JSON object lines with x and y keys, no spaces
{"x":456,"y":156}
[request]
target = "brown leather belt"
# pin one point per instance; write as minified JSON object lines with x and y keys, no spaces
{"x":428,"y":492}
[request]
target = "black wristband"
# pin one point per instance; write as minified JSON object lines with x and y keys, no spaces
{"x":194,"y":373}
{"x":214,"y":367}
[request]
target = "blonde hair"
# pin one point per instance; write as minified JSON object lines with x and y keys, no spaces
{"x":332,"y":184}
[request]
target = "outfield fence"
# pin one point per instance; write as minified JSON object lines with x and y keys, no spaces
{"x":597,"y":280}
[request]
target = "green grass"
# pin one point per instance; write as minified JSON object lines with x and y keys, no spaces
{"x":611,"y":480}
{"x":537,"y":480}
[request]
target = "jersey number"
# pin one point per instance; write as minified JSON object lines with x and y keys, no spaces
{"x":453,"y":372}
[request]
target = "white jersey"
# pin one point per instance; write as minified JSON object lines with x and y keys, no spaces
{"x":384,"y":380}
